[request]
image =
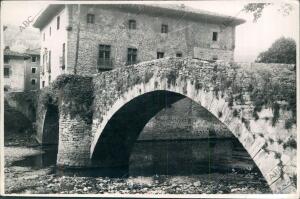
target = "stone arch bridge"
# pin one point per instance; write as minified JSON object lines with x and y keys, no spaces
{"x":96,"y":119}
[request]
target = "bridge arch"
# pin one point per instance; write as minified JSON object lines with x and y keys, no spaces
{"x":172,"y":82}
{"x":89,"y":106}
{"x":144,"y":101}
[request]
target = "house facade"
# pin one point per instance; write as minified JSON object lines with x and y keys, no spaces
{"x":21,"y":71}
{"x":32,"y":70}
{"x":87,"y":39}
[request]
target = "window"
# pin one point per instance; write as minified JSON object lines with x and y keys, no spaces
{"x":49,"y":62}
{"x":6,"y":60}
{"x":178,"y":54}
{"x":215,"y":57}
{"x":131,"y":55}
{"x":164,"y":28}
{"x":104,"y":56}
{"x":49,"y":79}
{"x":215,"y":36}
{"x":33,"y":70}
{"x":43,"y":66}
{"x":50,"y":31}
{"x":6,"y":72}
{"x":160,"y":55}
{"x":90,"y":18}
{"x":132,"y":24}
{"x":44,"y":37}
{"x":43,"y":84}
{"x":63,"y":55}
{"x":57,"y":22}
{"x":33,"y":59}
{"x":33,"y":81}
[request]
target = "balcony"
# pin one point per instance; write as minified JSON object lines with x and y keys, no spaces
{"x":62,"y":62}
{"x":48,"y":66}
{"x":105,"y":64}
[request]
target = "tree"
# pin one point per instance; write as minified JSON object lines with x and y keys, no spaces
{"x":257,"y":9}
{"x":283,"y":50}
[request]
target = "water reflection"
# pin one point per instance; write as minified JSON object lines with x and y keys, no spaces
{"x":188,"y":157}
{"x":45,"y":159}
{"x":169,"y":157}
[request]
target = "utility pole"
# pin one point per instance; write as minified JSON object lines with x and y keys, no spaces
{"x":77,"y":42}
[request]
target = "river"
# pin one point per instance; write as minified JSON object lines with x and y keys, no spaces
{"x":156,"y":167}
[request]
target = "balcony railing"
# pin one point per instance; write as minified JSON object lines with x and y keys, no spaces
{"x":131,"y":63}
{"x":105,"y":64}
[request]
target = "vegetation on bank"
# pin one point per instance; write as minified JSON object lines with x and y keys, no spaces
{"x":76,"y":93}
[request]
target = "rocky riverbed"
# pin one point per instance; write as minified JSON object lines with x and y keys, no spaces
{"x":27,"y":179}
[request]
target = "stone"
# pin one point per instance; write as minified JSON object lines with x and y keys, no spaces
{"x":129,"y":99}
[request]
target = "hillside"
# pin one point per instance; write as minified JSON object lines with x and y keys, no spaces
{"x":20,"y":41}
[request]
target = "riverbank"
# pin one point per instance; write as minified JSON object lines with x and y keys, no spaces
{"x":42,"y":182}
{"x":27,"y":179}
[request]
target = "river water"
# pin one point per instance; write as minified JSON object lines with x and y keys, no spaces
{"x":165,"y":157}
{"x":207,"y":159}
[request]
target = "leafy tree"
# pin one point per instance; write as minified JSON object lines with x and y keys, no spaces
{"x":283,"y":50}
{"x":257,"y":9}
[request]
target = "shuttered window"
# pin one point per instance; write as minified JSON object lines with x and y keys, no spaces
{"x":90,"y":18}
{"x":131,"y":56}
{"x":160,"y":55}
{"x":6,"y":72}
{"x":164,"y":28}
{"x":132,"y":24}
{"x":104,"y":60}
{"x":215,"y":36}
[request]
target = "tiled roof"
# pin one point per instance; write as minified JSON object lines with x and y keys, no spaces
{"x":172,"y":9}
{"x":33,"y":52}
{"x":10,"y":53}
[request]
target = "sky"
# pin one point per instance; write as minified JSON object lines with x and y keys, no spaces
{"x":251,"y":38}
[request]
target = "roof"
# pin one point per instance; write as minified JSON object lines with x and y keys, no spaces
{"x":188,"y":12}
{"x":166,"y":9}
{"x":47,"y":14}
{"x":33,"y":51}
{"x":10,"y":53}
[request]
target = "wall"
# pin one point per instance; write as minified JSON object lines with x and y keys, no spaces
{"x":53,"y":43}
{"x":19,"y":112}
{"x":184,"y":119}
{"x":24,"y":102}
{"x":256,"y":102}
{"x":16,"y":79}
{"x":111,"y":28}
{"x":29,"y":75}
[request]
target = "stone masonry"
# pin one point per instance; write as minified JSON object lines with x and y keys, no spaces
{"x":101,"y":116}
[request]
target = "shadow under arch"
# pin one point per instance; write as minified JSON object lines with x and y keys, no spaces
{"x":117,"y":139}
{"x":51,"y":126}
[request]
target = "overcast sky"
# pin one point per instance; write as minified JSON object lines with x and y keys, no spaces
{"x":251,"y":38}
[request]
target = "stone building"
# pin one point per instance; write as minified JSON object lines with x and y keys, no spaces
{"x":87,"y":39}
{"x":21,"y":70}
